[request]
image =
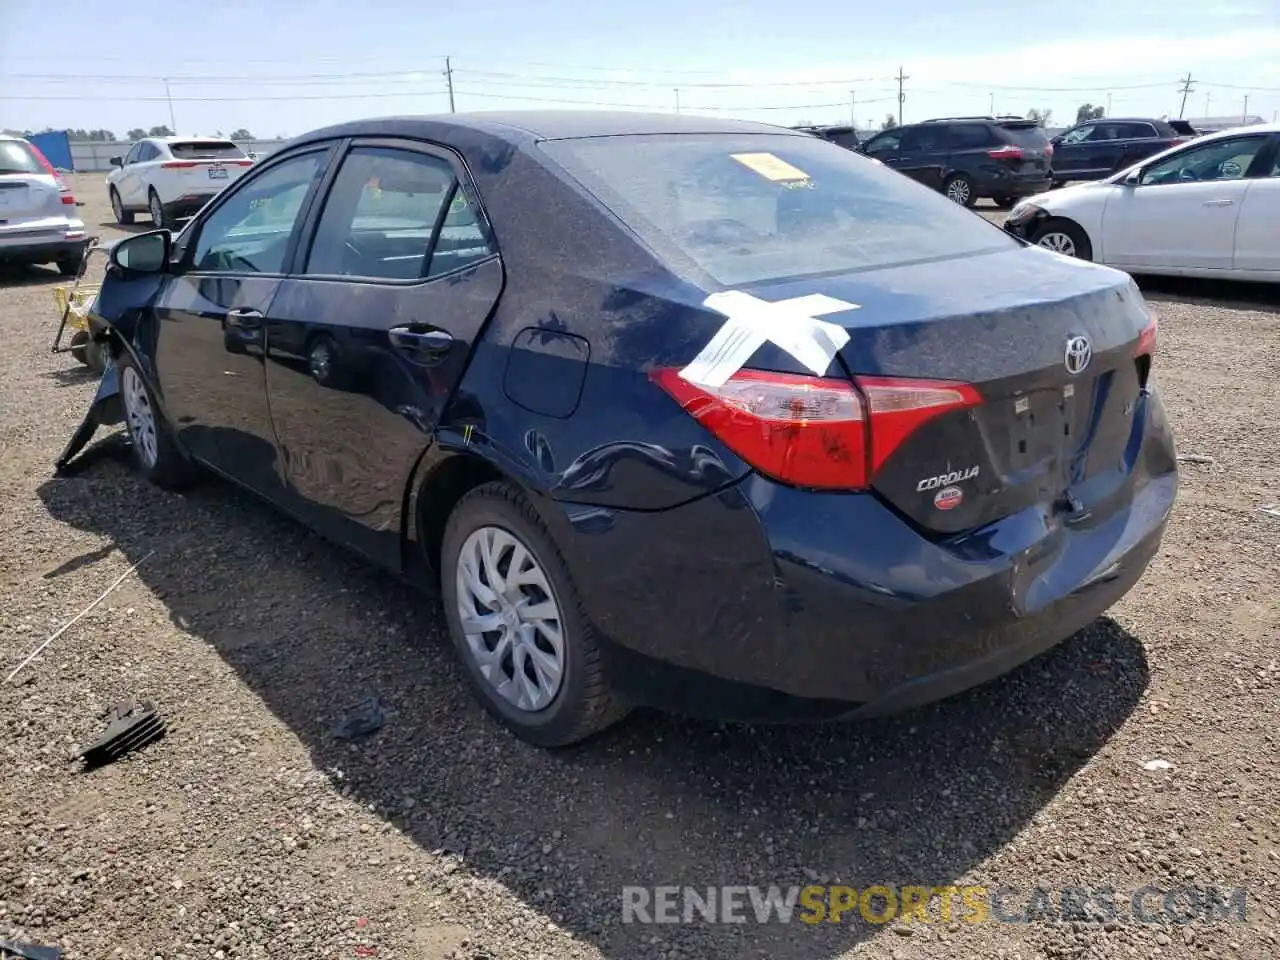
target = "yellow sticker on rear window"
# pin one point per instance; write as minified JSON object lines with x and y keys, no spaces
{"x":770,"y":166}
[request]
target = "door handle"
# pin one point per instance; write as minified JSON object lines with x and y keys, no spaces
{"x":1218,"y":203}
{"x":420,"y":341}
{"x":244,"y":318}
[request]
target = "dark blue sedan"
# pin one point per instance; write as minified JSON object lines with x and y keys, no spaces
{"x":705,"y":415}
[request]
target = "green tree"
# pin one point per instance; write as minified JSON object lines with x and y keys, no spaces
{"x":160,"y":131}
{"x":1041,"y":117}
{"x":890,"y":121}
{"x":241,"y":134}
{"x":137,"y":133}
{"x":1087,"y":111}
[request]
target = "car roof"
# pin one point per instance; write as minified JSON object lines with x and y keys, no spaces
{"x":524,"y":125}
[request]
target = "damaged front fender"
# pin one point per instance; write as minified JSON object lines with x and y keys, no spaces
{"x":115,"y":321}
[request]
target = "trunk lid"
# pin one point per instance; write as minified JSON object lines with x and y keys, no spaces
{"x":1033,"y":144}
{"x":1044,"y":433}
{"x":25,"y":197}
{"x":206,"y":166}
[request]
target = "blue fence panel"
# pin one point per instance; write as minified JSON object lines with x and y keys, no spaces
{"x":56,"y":148}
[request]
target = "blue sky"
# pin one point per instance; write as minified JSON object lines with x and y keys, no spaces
{"x":293,"y":65}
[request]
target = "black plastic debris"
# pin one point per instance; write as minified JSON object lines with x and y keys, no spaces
{"x":130,"y":726}
{"x":31,"y":951}
{"x":361,"y":720}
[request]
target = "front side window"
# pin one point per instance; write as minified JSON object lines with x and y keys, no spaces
{"x":148,"y":152}
{"x":1220,"y":160}
{"x":249,"y":232}
{"x":382,"y":214}
{"x":885,"y":143}
{"x":749,"y":208}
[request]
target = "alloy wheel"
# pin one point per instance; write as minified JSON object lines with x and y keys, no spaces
{"x":157,"y":211}
{"x":1058,"y":242}
{"x":117,"y":208}
{"x":140,"y":417}
{"x":958,"y":190}
{"x":510,"y":618}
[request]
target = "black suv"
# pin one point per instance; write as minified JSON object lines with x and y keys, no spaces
{"x":1098,"y":148}
{"x":967,"y":158}
{"x":842,"y":136}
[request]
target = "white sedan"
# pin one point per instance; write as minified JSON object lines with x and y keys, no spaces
{"x":1207,"y":208}
{"x":169,"y":178}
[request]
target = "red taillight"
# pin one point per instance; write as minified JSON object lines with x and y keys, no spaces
{"x":179,"y":164}
{"x":44,"y":161}
{"x":68,"y":199}
{"x":1007,"y":152}
{"x":1048,"y":150}
{"x":1147,"y":340}
{"x":814,"y":431}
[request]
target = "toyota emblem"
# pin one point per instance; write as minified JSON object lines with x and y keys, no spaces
{"x":1079,"y":353}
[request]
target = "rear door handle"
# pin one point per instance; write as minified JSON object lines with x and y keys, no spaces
{"x":419,"y":341}
{"x":244,"y":319}
{"x":1218,"y":203}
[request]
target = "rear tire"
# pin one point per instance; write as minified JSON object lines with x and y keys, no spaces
{"x":1063,"y":236}
{"x":154,"y":450}
{"x":1004,"y":203}
{"x":156,"y":208}
{"x":562,"y":705}
{"x":123,"y":216}
{"x":959,"y":189}
{"x":68,"y":268}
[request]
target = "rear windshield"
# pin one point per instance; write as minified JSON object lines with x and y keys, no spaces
{"x":206,"y":150}
{"x":749,"y":208}
{"x":16,"y":156}
{"x":1025,"y":135}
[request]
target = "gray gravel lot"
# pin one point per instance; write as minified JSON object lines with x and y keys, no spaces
{"x":250,"y":832}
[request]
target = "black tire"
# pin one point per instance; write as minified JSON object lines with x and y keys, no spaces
{"x":123,"y":217}
{"x":584,"y":704}
{"x":95,"y":356}
{"x":1004,"y":203}
{"x":1069,"y":228}
{"x":80,"y":347}
{"x":959,"y":189}
{"x":158,"y":217}
{"x":327,"y":374}
{"x":171,"y":470}
{"x":68,"y":268}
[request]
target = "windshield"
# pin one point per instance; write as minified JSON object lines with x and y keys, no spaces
{"x":16,"y":156}
{"x":749,"y":208}
{"x":1027,"y":135}
{"x":206,"y":150}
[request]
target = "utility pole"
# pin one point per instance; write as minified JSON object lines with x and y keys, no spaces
{"x":1244,"y":114}
{"x":677,"y":99}
{"x":1186,"y":88}
{"x":901,"y":78}
{"x":173,"y":124}
{"x":448,"y":78}
{"x":1108,"y":103}
{"x":1208,"y":98}
{"x":853,"y":109}
{"x":991,"y":104}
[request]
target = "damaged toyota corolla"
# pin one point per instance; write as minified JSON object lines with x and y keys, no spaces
{"x":705,"y":415}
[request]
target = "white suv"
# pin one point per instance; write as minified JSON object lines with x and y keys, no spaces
{"x":38,"y":219}
{"x":172,"y":177}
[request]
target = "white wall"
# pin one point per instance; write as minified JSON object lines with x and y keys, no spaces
{"x":90,"y":156}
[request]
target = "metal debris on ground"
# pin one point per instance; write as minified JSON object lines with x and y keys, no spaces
{"x":1195,"y":458}
{"x":364,"y":718}
{"x":1152,"y":766}
{"x":130,"y":726}
{"x":1271,"y":508}
{"x":30,"y":951}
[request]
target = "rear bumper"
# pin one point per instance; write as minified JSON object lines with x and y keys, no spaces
{"x":43,"y":249}
{"x":766,"y":602}
{"x":187,"y":205}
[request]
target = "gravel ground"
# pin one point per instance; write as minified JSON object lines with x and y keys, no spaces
{"x":249,"y":831}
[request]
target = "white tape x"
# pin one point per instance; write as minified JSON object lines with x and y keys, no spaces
{"x":790,"y":324}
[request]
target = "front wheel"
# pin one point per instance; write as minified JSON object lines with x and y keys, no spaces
{"x":515,"y":618}
{"x":959,"y":189}
{"x":157,"y":211}
{"x":123,"y":216}
{"x":154,"y":451}
{"x":1064,"y":237}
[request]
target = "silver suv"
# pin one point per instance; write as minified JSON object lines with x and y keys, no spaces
{"x":38,"y":219}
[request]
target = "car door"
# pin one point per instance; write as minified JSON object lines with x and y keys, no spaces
{"x":1134,"y":140}
{"x":368,"y":337}
{"x":884,"y":147}
{"x":209,"y":350}
{"x":1181,"y":213}
{"x":1069,"y":150}
{"x":1258,"y":229}
{"x":129,"y":180}
{"x":923,"y":154}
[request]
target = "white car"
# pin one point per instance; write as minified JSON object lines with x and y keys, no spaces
{"x":169,"y":178}
{"x":38,"y":219}
{"x":1207,"y":208}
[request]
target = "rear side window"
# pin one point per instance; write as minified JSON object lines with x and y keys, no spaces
{"x":147,"y":152}
{"x":970,"y":136}
{"x":749,"y":208}
{"x":1136,"y":131}
{"x":206,"y":150}
{"x":383,"y":212}
{"x":1027,"y":135}
{"x":16,"y":156}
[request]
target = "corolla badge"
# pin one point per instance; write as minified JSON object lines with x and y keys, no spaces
{"x":1079,"y":353}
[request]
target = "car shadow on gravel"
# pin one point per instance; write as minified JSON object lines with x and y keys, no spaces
{"x":1215,"y":293}
{"x":23,"y":275}
{"x":918,"y":799}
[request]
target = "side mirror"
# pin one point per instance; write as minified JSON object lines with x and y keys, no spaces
{"x":144,"y":253}
{"x":117,"y":161}
{"x":1056,"y":140}
{"x":1133,"y":178}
